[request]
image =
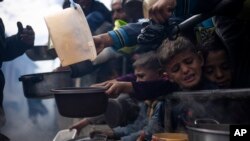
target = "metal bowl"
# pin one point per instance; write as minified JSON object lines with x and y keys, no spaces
{"x":80,"y":102}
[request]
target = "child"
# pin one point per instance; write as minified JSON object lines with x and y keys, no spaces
{"x":151,"y":116}
{"x":217,"y":66}
{"x":183,"y":65}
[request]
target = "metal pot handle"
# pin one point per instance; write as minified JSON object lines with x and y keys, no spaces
{"x":32,"y":78}
{"x":208,"y":120}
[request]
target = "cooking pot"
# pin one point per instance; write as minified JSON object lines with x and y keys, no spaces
{"x":208,"y":132}
{"x":81,"y":102}
{"x":39,"y":85}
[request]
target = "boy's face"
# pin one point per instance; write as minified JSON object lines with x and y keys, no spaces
{"x":217,"y":69}
{"x":185,"y":69}
{"x":143,"y":74}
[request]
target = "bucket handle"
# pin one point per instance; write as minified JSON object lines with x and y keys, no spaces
{"x":208,"y":120}
{"x":32,"y":78}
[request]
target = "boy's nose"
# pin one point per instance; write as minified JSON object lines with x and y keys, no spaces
{"x":184,"y":68}
{"x":218,"y":74}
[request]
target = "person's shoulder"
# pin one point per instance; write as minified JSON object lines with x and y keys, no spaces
{"x":98,"y":4}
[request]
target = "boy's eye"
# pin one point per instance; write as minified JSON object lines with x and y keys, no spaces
{"x":189,"y":60}
{"x":175,"y":68}
{"x":140,"y":76}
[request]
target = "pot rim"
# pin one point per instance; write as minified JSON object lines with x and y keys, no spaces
{"x":78,"y":90}
{"x":204,"y":130}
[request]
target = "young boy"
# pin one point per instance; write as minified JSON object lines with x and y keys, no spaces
{"x":183,"y":65}
{"x":217,"y":68}
{"x":151,"y":115}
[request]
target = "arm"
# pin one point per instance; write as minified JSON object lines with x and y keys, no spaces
{"x":16,"y":45}
{"x":86,"y":121}
{"x":124,"y":36}
{"x":140,"y":90}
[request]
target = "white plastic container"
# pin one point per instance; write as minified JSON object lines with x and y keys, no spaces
{"x":71,"y":36}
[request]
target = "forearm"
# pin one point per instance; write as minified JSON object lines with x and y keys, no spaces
{"x":102,"y":41}
{"x":126,"y":35}
{"x":13,"y":48}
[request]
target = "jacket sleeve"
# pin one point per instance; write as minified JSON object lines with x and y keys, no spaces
{"x":126,"y":35}
{"x":153,"y":89}
{"x":13,"y":48}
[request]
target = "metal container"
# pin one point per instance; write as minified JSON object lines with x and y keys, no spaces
{"x":229,"y":106}
{"x":208,"y":132}
{"x":39,"y":85}
{"x":81,"y":102}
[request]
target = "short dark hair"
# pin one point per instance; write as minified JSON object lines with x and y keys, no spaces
{"x":148,"y":60}
{"x":170,"y":48}
{"x":213,"y":43}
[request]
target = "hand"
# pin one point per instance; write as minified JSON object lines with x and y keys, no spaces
{"x":108,"y":133}
{"x":104,"y":84}
{"x":114,"y":87}
{"x":101,"y":41}
{"x":79,"y":125}
{"x":141,"y":137}
{"x":26,"y":35}
{"x":162,"y":10}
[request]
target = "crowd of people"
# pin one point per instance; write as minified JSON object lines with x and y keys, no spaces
{"x":215,"y":57}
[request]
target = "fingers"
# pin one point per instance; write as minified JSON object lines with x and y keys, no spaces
{"x":20,"y":27}
{"x":26,"y":35}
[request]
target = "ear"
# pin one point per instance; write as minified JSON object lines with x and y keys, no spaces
{"x":201,"y":58}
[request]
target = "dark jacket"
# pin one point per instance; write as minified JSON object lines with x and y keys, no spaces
{"x":10,"y":48}
{"x":100,"y":7}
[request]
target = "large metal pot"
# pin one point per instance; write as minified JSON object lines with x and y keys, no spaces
{"x":39,"y":85}
{"x":81,"y":102}
{"x":208,"y":132}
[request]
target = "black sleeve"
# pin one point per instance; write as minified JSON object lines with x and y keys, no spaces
{"x":13,"y":48}
{"x":153,"y":89}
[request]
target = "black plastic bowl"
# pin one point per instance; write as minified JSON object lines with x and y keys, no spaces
{"x":80,"y":102}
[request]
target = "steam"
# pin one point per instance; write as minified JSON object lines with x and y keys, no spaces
{"x":19,"y":126}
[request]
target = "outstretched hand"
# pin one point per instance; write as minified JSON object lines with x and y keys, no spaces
{"x":26,"y":35}
{"x":114,"y":88}
{"x":79,"y":125}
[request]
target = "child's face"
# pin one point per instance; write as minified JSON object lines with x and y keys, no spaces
{"x":217,"y":69}
{"x":185,"y":69}
{"x":143,"y":74}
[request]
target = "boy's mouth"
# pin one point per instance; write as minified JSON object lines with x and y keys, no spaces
{"x":189,"y":78}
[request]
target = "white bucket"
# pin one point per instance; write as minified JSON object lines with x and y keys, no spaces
{"x":71,"y":36}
